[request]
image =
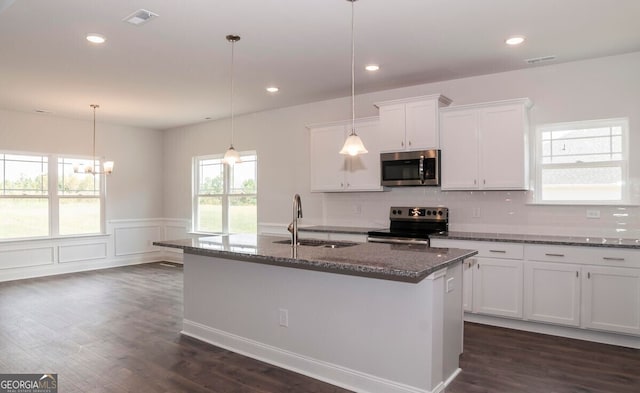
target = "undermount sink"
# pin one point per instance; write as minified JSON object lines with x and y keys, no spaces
{"x":318,"y":243}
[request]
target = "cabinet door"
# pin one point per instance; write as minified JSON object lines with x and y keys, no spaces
{"x":503,"y":148}
{"x":392,"y":125}
{"x":467,"y":284}
{"x":459,"y":144}
{"x":421,"y":120}
{"x":363,"y":171}
{"x":497,"y":287}
{"x":552,"y":292}
{"x":611,"y":299}
{"x":327,"y":165}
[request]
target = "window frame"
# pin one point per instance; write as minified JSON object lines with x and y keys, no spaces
{"x":226,"y":195}
{"x":623,"y":163}
{"x":54,"y":199}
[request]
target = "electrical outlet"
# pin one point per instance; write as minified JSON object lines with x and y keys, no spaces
{"x":357,"y":209}
{"x":476,"y":212}
{"x":593,"y":213}
{"x":284,"y":317}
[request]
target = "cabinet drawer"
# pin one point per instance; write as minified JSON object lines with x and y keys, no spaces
{"x":485,"y":249}
{"x":550,"y":253}
{"x":601,"y":256}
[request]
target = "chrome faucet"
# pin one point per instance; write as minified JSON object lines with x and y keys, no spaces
{"x":297,"y":213}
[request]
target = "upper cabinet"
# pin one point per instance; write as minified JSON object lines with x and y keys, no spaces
{"x":411,"y":124}
{"x":485,"y":146}
{"x":334,"y":172}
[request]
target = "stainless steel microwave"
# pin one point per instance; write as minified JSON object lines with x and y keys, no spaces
{"x":410,"y":168}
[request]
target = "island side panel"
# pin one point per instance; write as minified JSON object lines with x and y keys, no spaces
{"x":368,"y":334}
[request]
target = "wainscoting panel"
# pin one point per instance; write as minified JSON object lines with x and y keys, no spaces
{"x":82,"y":252}
{"x":136,"y":240}
{"x":25,"y":257}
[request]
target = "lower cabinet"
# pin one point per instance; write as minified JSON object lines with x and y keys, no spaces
{"x":583,"y":287}
{"x":497,"y":287}
{"x":611,"y":299}
{"x":552,"y":293}
{"x":467,"y":284}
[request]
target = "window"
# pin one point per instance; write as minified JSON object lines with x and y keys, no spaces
{"x":583,"y":162}
{"x":225,"y":197}
{"x":24,"y":196}
{"x":39,"y":198}
{"x":79,"y":204}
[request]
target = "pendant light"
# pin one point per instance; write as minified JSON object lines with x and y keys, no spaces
{"x":107,"y":166}
{"x":353,"y":145}
{"x":232,"y":156}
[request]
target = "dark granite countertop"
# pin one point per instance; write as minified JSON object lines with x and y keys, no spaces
{"x":338,"y":229}
{"x":407,"y":263}
{"x":542,"y":239}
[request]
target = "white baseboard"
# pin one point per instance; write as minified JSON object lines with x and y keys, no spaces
{"x":324,"y":371}
{"x":555,"y":330}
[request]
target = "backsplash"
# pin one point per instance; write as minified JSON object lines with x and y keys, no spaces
{"x":484,"y":211}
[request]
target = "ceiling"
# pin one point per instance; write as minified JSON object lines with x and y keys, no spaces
{"x":175,"y":69}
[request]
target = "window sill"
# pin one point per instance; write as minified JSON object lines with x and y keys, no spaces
{"x":53,"y":238}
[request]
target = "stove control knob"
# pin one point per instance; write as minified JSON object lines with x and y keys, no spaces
{"x":433,"y":212}
{"x":394,"y":211}
{"x":440,"y":212}
{"x":428,"y":212}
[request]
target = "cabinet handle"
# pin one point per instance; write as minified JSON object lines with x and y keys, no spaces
{"x":348,"y":185}
{"x":409,"y":143}
{"x":498,"y":251}
{"x":475,"y":182}
{"x":576,"y":274}
{"x":402,"y":143}
{"x":612,"y":259}
{"x":484,"y":181}
{"x":589,"y":275}
{"x":554,"y":255}
{"x":478,"y":265}
{"x":341,"y":184}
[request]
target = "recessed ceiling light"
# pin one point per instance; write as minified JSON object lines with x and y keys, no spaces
{"x":372,"y":67}
{"x":515,"y":40}
{"x":96,"y":38}
{"x":272,"y":89}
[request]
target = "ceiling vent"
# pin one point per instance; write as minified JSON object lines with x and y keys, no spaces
{"x":140,"y":17}
{"x":537,"y":60}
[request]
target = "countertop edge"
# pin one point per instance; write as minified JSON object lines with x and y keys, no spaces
{"x":323,"y":266}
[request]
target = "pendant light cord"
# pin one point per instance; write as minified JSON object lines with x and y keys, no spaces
{"x":93,"y":164}
{"x":232,"y":85}
{"x":353,"y":77}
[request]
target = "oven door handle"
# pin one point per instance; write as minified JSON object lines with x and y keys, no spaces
{"x":421,"y":169}
{"x":391,"y":240}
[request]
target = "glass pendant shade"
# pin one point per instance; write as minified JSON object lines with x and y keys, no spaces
{"x":231,"y":156}
{"x":107,"y":166}
{"x":353,"y":145}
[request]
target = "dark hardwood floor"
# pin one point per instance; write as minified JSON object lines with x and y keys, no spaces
{"x":117,"y":330}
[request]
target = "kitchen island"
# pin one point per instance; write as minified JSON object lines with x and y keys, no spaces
{"x":367,"y":317}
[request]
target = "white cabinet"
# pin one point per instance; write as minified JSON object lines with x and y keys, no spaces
{"x":411,"y":124}
{"x":497,"y":287}
{"x":552,"y":292}
{"x":611,"y":299}
{"x":485,"y":146}
{"x":492,"y":280}
{"x":594,"y":288}
{"x":467,"y":284}
{"x":334,"y":172}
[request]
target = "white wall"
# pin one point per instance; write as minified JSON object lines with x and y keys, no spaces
{"x":592,"y":89}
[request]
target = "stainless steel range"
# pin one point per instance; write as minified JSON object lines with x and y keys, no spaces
{"x":412,"y":225}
